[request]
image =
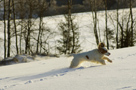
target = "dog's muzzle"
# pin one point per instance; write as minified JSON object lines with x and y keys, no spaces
{"x":107,"y":53}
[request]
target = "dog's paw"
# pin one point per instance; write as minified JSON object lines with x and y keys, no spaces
{"x":110,"y":61}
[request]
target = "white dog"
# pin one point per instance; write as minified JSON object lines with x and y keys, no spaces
{"x":96,"y":55}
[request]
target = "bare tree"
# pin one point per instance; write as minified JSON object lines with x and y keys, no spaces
{"x":132,"y":24}
{"x":8,"y":28}
{"x":4,"y":17}
{"x":117,"y":32}
{"x":74,"y":29}
{"x":31,"y":4}
{"x":15,"y":28}
{"x":95,"y":19}
{"x":41,"y":10}
{"x":106,"y":22}
{"x":125,"y":27}
{"x":20,"y":6}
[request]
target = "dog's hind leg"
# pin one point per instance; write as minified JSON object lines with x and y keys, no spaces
{"x":75,"y":63}
{"x":101,"y":61}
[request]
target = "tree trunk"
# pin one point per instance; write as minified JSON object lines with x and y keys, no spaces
{"x":29,"y":26}
{"x":117,"y":41}
{"x":132,"y":22}
{"x":68,"y":37}
{"x":122,"y":33}
{"x":95,"y":23}
{"x":20,"y":35}
{"x":71,"y":26}
{"x":107,"y":38}
{"x":95,"y":28}
{"x":8,"y":28}
{"x":4,"y":16}
{"x":27,"y":46}
{"x":39,"y":34}
{"x":14,"y":20}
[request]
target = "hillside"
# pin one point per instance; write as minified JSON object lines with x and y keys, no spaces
{"x":55,"y":74}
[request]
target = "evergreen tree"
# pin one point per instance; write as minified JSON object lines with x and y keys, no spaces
{"x":70,"y":35}
{"x":69,"y":43}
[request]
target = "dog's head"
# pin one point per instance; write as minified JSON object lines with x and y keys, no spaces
{"x":102,"y":49}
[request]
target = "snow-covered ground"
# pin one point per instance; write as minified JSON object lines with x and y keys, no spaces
{"x":55,"y":74}
{"x":52,"y":73}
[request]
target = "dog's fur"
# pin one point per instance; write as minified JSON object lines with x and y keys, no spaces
{"x":96,"y":55}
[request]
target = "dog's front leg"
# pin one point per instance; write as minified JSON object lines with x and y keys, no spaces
{"x":107,"y":59}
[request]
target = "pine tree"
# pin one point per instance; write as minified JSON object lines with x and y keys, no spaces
{"x":70,"y":35}
{"x":69,"y":43}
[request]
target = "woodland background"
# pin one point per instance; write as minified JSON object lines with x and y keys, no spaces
{"x":19,"y":16}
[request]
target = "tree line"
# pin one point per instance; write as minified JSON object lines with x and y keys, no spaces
{"x":56,"y":7}
{"x":125,"y":26}
{"x":35,"y":39}
{"x":23,"y":34}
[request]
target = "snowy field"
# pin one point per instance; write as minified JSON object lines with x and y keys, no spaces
{"x":51,"y":73}
{"x":55,"y":74}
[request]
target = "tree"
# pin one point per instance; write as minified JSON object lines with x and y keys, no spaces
{"x":41,"y":10}
{"x":117,"y":32}
{"x":125,"y":27}
{"x":107,"y":40}
{"x":110,"y":36}
{"x":8,"y":28}
{"x":31,"y":5}
{"x":66,"y":39}
{"x":21,"y":6}
{"x":132,"y":24}
{"x":4,"y":17}
{"x":15,"y":28}
{"x":94,"y":7}
{"x":70,"y":35}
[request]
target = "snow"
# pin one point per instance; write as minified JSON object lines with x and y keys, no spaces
{"x":53,"y":73}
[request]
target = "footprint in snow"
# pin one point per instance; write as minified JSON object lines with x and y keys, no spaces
{"x":1,"y":89}
{"x":28,"y":82}
{"x":62,"y":74}
{"x":4,"y":78}
{"x":124,"y":88}
{"x":41,"y":79}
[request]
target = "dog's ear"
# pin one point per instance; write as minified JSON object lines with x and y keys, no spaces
{"x":101,"y":45}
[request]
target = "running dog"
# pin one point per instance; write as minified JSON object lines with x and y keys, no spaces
{"x":96,"y":56}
